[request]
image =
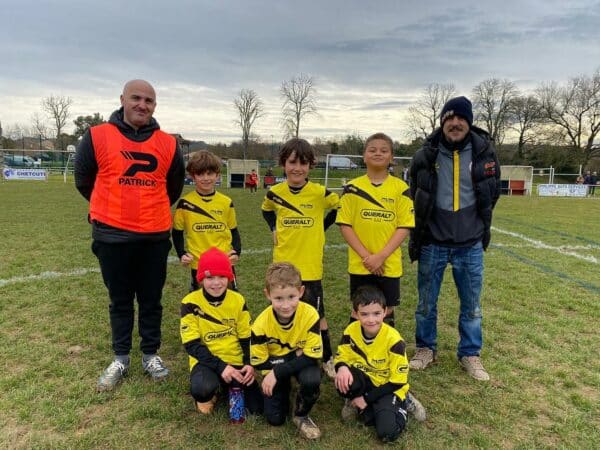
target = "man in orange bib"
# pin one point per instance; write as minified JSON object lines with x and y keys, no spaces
{"x":131,"y":172}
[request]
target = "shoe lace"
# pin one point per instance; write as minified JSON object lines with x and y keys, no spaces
{"x":155,"y":364}
{"x":114,"y":368}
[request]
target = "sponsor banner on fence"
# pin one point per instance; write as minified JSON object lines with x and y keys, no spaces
{"x":562,"y":190}
{"x":24,"y":174}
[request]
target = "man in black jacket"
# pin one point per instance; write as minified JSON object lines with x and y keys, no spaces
{"x":455,"y":185}
{"x":131,"y":172}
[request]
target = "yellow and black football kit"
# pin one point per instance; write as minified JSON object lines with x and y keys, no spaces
{"x":299,"y":225}
{"x":207,"y":221}
{"x":274,"y":344}
{"x":218,"y":327}
{"x":375,"y":212}
{"x":382,"y":359}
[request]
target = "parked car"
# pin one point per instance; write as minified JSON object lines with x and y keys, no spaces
{"x":341,"y":162}
{"x":18,"y":161}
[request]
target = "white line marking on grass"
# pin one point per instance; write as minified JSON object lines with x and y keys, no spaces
{"x":564,"y":247}
{"x":82,"y":271}
{"x":542,"y":245}
{"x":47,"y":275}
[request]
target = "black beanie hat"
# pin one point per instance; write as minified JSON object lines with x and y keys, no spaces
{"x":457,"y":106}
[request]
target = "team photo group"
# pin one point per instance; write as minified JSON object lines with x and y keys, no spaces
{"x":273,"y":364}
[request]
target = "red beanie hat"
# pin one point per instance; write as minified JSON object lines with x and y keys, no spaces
{"x":214,"y":263}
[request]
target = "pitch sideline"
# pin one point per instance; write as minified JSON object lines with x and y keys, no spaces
{"x":532,"y":243}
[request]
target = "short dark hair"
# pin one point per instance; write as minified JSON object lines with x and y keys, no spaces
{"x":202,"y":162}
{"x":366,"y":295}
{"x":383,"y":137}
{"x":302,"y":150}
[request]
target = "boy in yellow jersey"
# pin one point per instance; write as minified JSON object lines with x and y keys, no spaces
{"x":375,"y":215}
{"x":205,"y":216}
{"x":295,"y":212}
{"x":286,"y":343}
{"x":372,"y":369}
{"x":215,"y":331}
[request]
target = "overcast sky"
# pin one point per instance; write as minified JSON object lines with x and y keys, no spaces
{"x":370,"y":59}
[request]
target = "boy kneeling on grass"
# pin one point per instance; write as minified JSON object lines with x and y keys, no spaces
{"x":286,"y":343}
{"x":372,"y":369}
{"x":215,"y":331}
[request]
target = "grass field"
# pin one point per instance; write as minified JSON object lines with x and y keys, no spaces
{"x":541,"y":315}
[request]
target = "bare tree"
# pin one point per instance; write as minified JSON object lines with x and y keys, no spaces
{"x":38,"y":126}
{"x":249,"y":107}
{"x":525,"y":118}
{"x":575,"y":110}
{"x":423,"y":117}
{"x":57,"y":109}
{"x":492,"y":99}
{"x":298,"y":101}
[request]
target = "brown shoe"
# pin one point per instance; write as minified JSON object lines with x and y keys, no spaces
{"x":422,"y":358}
{"x":206,"y":408}
{"x":473,"y":366}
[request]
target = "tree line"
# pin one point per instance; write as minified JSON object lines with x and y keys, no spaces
{"x":555,"y":124}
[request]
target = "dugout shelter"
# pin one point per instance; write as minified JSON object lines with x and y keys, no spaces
{"x":239,"y":169}
{"x":516,"y":180}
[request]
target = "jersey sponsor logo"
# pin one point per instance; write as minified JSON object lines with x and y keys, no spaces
{"x":316,"y":349}
{"x":306,"y":205}
{"x":377,"y":215}
{"x":298,"y":222}
{"x":136,"y":182}
{"x":402,"y":369}
{"x":370,"y":369}
{"x":213,"y":227}
{"x":214,"y":335}
{"x":143,"y":162}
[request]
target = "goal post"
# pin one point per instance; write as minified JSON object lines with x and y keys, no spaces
{"x":339,"y":169}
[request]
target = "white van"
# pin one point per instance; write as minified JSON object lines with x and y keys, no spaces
{"x":341,"y":162}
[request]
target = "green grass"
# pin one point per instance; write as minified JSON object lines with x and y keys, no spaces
{"x":540,"y":308}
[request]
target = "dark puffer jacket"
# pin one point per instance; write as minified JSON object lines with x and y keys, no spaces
{"x":485,"y":173}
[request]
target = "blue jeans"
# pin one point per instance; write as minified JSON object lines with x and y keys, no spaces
{"x":467,"y":270}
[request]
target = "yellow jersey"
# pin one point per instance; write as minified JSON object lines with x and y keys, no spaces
{"x":299,"y":226}
{"x":383,"y":359}
{"x":374,"y":213}
{"x":218,"y":327}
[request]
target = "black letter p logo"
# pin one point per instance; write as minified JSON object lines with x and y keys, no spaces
{"x":148,"y":163}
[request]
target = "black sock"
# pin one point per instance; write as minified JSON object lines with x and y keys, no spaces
{"x":327,"y":354}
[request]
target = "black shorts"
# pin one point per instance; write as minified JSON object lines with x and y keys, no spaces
{"x":389,"y":286}
{"x":313,"y":295}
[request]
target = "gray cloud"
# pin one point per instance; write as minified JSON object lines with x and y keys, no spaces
{"x":369,"y":59}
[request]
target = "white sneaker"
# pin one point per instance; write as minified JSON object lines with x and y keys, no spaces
{"x":329,"y":368}
{"x":111,"y":376}
{"x":155,"y":368}
{"x":308,"y":429}
{"x":415,"y":408}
